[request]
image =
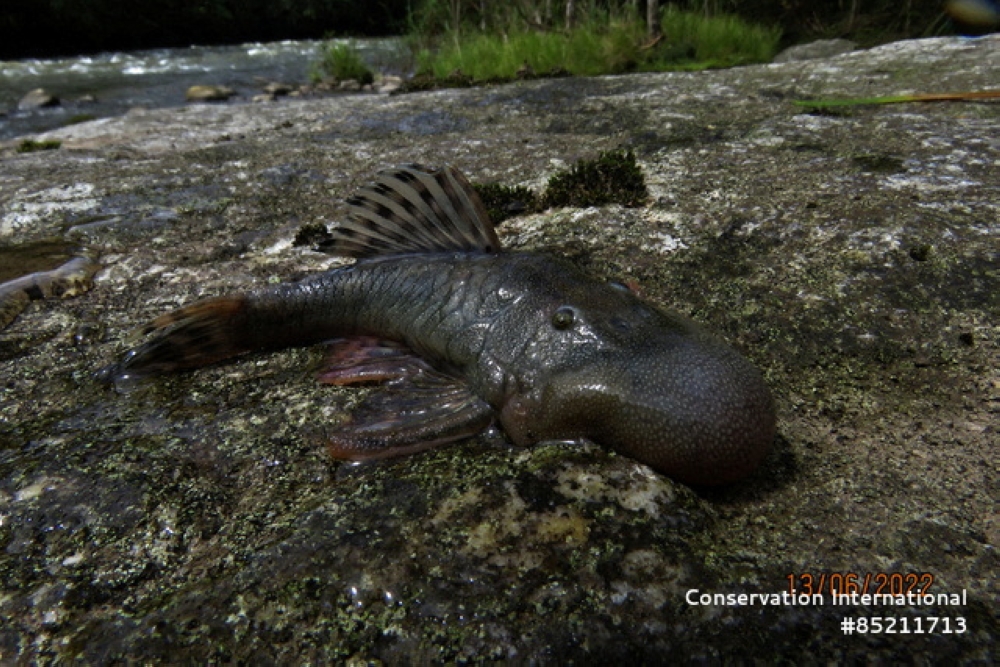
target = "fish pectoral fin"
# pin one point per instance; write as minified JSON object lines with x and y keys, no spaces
{"x":364,"y":359}
{"x":420,"y":412}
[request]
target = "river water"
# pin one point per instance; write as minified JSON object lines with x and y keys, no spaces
{"x":110,"y":84}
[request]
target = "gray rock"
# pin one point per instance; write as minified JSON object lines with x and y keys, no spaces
{"x":197,"y":518}
{"x":277,"y":89}
{"x":821,"y":48}
{"x":206,"y":93}
{"x":388,"y":84}
{"x":39,"y":98}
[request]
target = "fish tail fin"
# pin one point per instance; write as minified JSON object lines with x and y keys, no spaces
{"x":198,"y":335}
{"x":414,"y":209}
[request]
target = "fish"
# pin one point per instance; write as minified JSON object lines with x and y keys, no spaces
{"x":462,"y":334}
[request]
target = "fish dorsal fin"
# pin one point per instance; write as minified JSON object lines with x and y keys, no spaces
{"x":412,"y":209}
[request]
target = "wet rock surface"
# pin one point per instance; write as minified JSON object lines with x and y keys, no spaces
{"x":194,"y":518}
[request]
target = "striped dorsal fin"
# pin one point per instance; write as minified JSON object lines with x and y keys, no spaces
{"x":414,"y":209}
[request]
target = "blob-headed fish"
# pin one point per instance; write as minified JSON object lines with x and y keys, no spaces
{"x":464,"y":333}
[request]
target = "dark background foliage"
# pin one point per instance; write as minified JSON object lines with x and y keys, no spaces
{"x":37,"y":28}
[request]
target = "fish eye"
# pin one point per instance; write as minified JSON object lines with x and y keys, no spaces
{"x":563,"y":317}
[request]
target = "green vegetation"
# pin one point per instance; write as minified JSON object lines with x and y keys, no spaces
{"x":39,"y":28}
{"x":613,"y":178}
{"x":504,"y":201}
{"x":311,"y":235}
{"x":341,"y":61}
{"x":723,"y":40}
{"x":32,"y":146}
{"x":589,"y":49}
{"x":602,"y":44}
{"x":34,"y":28}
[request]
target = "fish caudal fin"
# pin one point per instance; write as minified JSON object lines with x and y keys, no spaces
{"x":418,"y":409}
{"x":197,"y":335}
{"x":414,"y":209}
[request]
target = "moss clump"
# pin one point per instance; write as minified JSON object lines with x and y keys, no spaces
{"x":613,"y":178}
{"x":311,"y":235}
{"x":32,"y":146}
{"x":503,"y":201}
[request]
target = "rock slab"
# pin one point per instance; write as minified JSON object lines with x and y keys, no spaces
{"x":196,"y":518}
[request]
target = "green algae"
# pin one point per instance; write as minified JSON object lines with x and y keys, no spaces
{"x":506,"y":201}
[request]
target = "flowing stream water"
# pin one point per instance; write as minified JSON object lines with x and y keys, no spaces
{"x":110,"y":84}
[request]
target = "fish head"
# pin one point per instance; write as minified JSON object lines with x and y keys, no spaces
{"x":649,"y":384}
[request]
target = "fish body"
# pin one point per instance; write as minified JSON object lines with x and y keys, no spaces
{"x":464,"y":333}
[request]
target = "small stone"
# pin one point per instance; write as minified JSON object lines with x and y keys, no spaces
{"x":349,"y":86}
{"x":202,"y":93}
{"x":389,"y":84}
{"x":39,"y":98}
{"x":277,"y":89}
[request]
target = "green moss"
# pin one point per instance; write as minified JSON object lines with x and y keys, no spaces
{"x":613,"y":178}
{"x":311,"y":235}
{"x":32,"y":146}
{"x":722,"y":40}
{"x":503,"y":201}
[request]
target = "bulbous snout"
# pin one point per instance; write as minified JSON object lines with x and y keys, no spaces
{"x":701,"y":414}
{"x":693,"y":409}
